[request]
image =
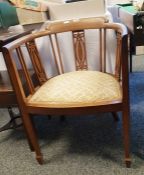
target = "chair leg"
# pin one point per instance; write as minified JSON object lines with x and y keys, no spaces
{"x":30,"y":144}
{"x":126,"y":123}
{"x":115,"y":116}
{"x":28,"y":139}
{"x":32,"y":137}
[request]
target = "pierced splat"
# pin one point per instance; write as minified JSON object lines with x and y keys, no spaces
{"x":35,"y":57}
{"x":80,"y":50}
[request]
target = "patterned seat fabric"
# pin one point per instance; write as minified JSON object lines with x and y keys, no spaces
{"x":76,"y":89}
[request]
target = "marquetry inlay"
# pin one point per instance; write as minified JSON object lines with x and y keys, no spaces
{"x":80,"y":50}
{"x":35,"y":57}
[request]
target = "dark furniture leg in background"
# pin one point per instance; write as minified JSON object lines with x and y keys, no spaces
{"x":8,"y":100}
{"x":12,"y":124}
{"x":7,"y":95}
{"x":132,"y":51}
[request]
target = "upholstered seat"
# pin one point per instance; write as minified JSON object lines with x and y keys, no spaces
{"x":77,"y":89}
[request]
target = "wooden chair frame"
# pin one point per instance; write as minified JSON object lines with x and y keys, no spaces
{"x":76,"y":26}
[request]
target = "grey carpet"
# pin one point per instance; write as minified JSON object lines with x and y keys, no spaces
{"x":82,"y":145}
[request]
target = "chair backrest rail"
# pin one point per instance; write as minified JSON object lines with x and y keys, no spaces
{"x":54,"y":54}
{"x":118,"y":57}
{"x":104,"y":50}
{"x":25,"y":71}
{"x":59,"y":55}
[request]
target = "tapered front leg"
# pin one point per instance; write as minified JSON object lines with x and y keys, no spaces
{"x":126,"y":129}
{"x":32,"y":137}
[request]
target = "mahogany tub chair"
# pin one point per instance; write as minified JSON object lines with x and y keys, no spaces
{"x":78,"y":92}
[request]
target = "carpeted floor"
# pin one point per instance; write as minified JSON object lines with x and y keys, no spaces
{"x":83,"y":145}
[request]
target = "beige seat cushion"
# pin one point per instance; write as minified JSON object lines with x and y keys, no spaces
{"x":79,"y":88}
